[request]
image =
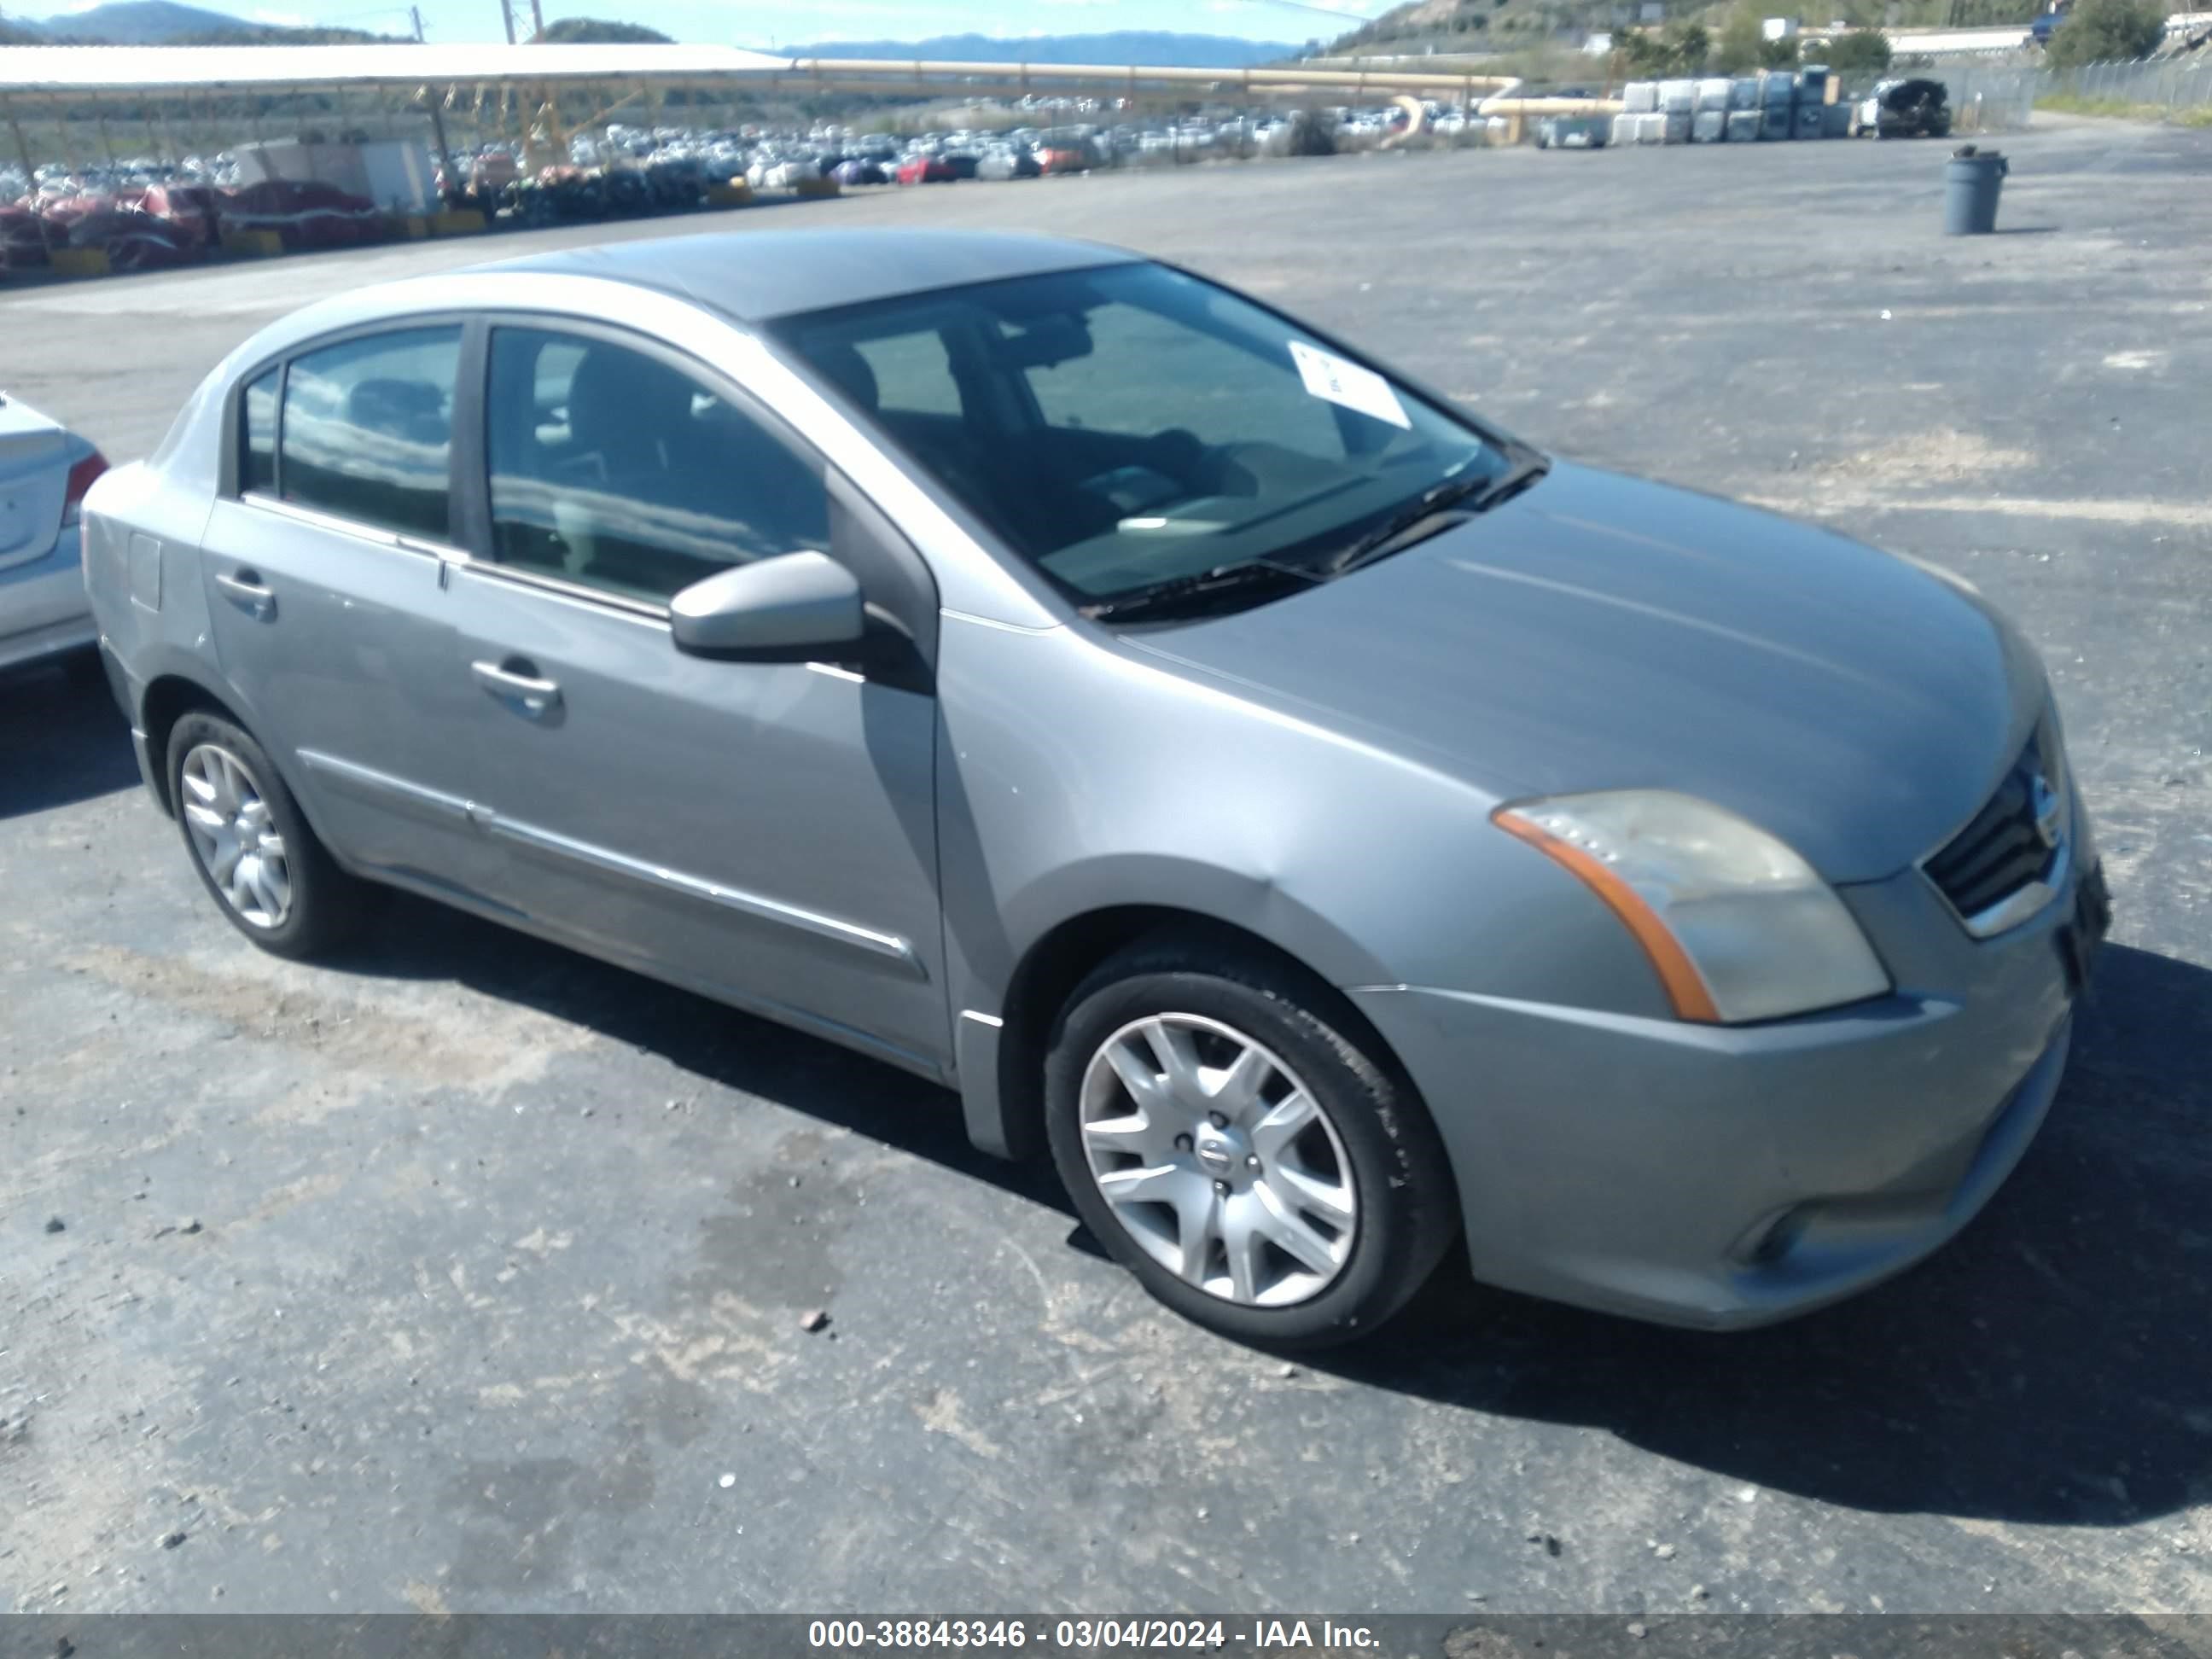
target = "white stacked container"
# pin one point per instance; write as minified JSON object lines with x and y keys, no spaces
{"x":1639,"y":97}
{"x":1713,"y":94}
{"x":1678,"y":97}
{"x":1744,"y":125}
{"x":1709,"y":126}
{"x":1624,"y":128}
{"x":1651,"y":129}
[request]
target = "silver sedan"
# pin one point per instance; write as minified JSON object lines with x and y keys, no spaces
{"x":46,"y":470}
{"x":1330,"y":826}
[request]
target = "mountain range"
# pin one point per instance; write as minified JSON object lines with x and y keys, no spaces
{"x":1140,"y":47}
{"x":158,"y":22}
{"x":163,"y":22}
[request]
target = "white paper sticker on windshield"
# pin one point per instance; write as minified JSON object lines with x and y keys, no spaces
{"x":1362,"y":389}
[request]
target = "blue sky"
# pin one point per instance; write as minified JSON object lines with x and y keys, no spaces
{"x":783,"y":23}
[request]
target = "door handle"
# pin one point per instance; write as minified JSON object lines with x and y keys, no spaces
{"x":243,"y":588}
{"x":519,"y":685}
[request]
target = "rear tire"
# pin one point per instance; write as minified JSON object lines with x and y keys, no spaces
{"x":1173,"y":1077}
{"x":268,"y":873}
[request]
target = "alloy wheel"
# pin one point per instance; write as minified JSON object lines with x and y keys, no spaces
{"x":234,"y":837}
{"x":1217,"y":1160}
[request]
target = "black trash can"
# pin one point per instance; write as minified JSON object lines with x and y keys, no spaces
{"x":1973,"y":179}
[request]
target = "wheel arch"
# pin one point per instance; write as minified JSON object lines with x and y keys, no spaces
{"x":1005,"y":1114}
{"x":169,"y":697}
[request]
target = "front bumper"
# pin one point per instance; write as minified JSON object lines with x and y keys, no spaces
{"x":1727,"y":1176}
{"x":44,"y":611}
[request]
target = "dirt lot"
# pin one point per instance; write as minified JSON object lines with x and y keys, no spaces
{"x":468,"y":1274}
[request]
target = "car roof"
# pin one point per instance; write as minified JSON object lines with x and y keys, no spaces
{"x":756,"y":275}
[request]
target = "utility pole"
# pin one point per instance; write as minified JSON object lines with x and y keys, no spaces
{"x":546,"y":94}
{"x":507,"y":12}
{"x":416,"y":12}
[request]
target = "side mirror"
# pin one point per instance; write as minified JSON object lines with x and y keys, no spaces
{"x":778,"y":609}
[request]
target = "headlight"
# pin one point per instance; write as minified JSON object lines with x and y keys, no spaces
{"x":1738,"y":927}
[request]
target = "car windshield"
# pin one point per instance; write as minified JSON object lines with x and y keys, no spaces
{"x":1128,"y":425}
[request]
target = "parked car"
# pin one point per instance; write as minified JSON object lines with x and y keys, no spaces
{"x":1329,"y":825}
{"x":781,"y":174}
{"x":1062,"y":152}
{"x":920,"y":169}
{"x":859,"y":171}
{"x":1572,"y":132}
{"x":45,"y":471}
{"x":1914,"y":108}
{"x":1008,"y":163}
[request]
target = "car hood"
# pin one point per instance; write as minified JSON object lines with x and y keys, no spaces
{"x":1603,"y":632}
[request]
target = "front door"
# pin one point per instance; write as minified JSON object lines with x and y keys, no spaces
{"x":323,"y":579}
{"x":762,"y":831}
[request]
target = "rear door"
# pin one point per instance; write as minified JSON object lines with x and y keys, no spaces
{"x":323,"y":570}
{"x":761,"y":830}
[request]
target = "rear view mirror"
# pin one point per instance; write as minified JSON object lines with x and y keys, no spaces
{"x":773,"y":609}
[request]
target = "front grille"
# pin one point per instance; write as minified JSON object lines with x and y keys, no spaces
{"x":2012,"y":841}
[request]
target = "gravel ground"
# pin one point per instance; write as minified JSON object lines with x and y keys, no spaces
{"x":469,"y":1274}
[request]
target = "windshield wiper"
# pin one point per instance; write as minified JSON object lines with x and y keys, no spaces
{"x":1452,"y":503}
{"x":1201,"y":590}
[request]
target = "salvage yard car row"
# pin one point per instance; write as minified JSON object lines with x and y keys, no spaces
{"x":146,"y":214}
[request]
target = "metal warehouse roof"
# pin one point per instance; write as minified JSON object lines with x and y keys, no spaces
{"x":130,"y":68}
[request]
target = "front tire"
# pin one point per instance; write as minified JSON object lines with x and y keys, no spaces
{"x":269,"y":874}
{"x":1227,"y":1137}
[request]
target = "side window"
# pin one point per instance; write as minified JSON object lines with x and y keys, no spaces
{"x":256,"y":460}
{"x":611,"y":468}
{"x":368,"y":428}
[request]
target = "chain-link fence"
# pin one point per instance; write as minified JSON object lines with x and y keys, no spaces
{"x":2175,"y":85}
{"x":2003,"y":96}
{"x":1987,"y":97}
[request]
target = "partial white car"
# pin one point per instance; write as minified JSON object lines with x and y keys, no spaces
{"x":44,"y":470}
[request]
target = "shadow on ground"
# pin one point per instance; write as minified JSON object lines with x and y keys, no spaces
{"x":2052,"y":1365}
{"x":415,"y":938}
{"x":62,"y":738}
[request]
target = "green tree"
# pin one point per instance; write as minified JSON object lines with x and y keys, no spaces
{"x":1688,"y":47}
{"x":1779,"y":54}
{"x":1861,"y":52}
{"x":2102,"y":31}
{"x":1739,"y":49}
{"x":602,"y":31}
{"x":1637,"y":56}
{"x":1681,"y":50}
{"x":1312,"y":132}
